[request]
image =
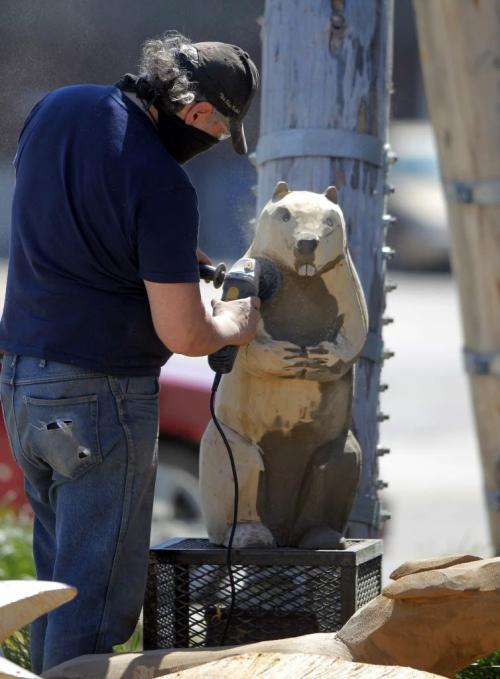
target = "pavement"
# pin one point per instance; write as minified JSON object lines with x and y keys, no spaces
{"x":433,"y":470}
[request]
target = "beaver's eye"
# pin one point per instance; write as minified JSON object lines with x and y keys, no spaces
{"x":329,"y":221}
{"x":285,"y":216}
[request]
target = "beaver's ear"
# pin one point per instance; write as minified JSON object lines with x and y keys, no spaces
{"x":280,"y":190}
{"x":331,"y":194}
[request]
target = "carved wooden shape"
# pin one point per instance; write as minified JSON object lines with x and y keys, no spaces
{"x":22,"y":601}
{"x":438,"y":620}
{"x":9,"y":670}
{"x":244,"y":662}
{"x":286,"y":406}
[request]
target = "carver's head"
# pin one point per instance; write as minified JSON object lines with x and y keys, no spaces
{"x":208,"y":85}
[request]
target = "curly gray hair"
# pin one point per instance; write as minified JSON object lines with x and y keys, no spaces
{"x":160,"y":66}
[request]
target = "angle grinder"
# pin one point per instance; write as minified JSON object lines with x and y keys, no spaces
{"x":213,"y":274}
{"x":248,"y":277}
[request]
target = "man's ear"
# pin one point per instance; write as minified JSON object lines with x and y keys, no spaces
{"x":196,"y":110}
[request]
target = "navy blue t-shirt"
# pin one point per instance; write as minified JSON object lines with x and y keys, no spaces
{"x":99,"y":206}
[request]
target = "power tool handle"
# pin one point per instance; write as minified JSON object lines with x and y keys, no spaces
{"x":222,"y":361}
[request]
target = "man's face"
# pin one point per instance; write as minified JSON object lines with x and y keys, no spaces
{"x":202,"y":115}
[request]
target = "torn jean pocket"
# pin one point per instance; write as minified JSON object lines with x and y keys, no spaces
{"x":62,"y":433}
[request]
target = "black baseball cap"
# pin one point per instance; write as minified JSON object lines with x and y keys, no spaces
{"x":227,"y":78}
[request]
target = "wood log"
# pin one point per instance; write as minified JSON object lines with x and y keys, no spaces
{"x":326,"y":69}
{"x":281,"y":665}
{"x":164,"y":662}
{"x":231,"y":664}
{"x":460,"y":54}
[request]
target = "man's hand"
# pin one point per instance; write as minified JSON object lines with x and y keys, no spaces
{"x":240,"y":314}
{"x":184,"y":325}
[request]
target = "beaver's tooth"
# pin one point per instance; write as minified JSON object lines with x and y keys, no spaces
{"x":307,"y":270}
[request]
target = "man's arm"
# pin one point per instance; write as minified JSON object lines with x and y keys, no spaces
{"x":184,"y":326}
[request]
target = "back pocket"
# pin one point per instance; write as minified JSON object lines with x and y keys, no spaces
{"x":63,"y":433}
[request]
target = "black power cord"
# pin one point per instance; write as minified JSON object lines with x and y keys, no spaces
{"x":229,"y":565}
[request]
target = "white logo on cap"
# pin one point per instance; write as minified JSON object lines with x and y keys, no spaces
{"x":229,"y":104}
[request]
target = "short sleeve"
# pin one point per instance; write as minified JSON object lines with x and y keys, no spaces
{"x":167,"y":236}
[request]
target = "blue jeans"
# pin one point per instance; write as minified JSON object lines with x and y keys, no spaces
{"x":88,"y":446}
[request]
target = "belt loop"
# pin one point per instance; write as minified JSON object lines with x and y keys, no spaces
{"x":13,"y":365}
{"x":114,"y":385}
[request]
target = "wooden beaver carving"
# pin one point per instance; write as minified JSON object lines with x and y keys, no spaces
{"x":286,"y":406}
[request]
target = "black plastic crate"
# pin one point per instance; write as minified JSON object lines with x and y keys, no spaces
{"x":279,"y":592}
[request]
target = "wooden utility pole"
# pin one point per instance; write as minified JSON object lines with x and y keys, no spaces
{"x":327,"y":68}
{"x":460,"y":54}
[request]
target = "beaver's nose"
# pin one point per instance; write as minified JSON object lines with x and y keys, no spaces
{"x":307,"y":245}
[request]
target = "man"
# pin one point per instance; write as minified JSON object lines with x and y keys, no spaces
{"x":103,"y":286}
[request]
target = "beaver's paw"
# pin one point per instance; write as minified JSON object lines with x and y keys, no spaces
{"x":320,"y":356}
{"x":250,"y":534}
{"x":322,"y":537}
